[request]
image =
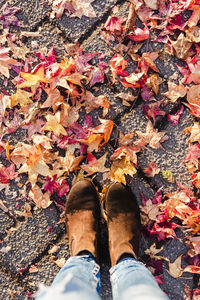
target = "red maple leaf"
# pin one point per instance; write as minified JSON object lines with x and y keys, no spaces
{"x":114,"y":24}
{"x":7,"y":174}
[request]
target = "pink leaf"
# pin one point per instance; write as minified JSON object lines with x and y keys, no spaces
{"x":7,"y":174}
{"x":140,"y":34}
{"x":175,"y":119}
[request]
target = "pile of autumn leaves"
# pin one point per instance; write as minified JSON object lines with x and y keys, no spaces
{"x":50,"y":98}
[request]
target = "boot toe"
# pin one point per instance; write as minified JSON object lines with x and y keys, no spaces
{"x":120,"y":199}
{"x":83,"y":196}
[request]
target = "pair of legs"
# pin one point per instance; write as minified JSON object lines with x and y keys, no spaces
{"x":79,"y":278}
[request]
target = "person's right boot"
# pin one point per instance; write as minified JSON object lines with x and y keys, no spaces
{"x":123,"y":219}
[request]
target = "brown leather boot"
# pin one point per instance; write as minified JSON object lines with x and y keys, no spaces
{"x":123,"y":219}
{"x":82,"y":214}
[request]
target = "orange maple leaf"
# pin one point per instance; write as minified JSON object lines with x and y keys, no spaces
{"x":105,"y":128}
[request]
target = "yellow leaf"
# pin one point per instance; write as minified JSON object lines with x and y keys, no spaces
{"x":175,"y":269}
{"x":120,"y":167}
{"x":32,"y":79}
{"x":53,"y":125}
{"x":21,"y":97}
{"x":70,"y":163}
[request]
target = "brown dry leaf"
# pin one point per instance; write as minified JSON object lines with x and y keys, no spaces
{"x":131,"y":18}
{"x":60,"y":262}
{"x":193,"y":95}
{"x":124,"y":151}
{"x":76,"y":78}
{"x":93,"y":142}
{"x":192,"y":269}
{"x":35,"y":165}
{"x":76,"y":8}
{"x":21,"y":153}
{"x":181,"y":46}
{"x":149,"y":212}
{"x":95,"y":165}
{"x":175,"y":269}
{"x":149,"y":58}
{"x":53,"y":100}
{"x":126,"y":97}
{"x":125,"y":140}
{"x":52,"y":124}
{"x":5,"y":102}
{"x":41,"y":200}
{"x":153,"y":251}
{"x":193,"y":34}
{"x":175,"y":91}
{"x":92,"y":102}
{"x":153,"y":82}
{"x":151,"y":137}
{"x":194,"y":132}
{"x":68,"y":114}
{"x":194,"y":244}
{"x":42,"y":140}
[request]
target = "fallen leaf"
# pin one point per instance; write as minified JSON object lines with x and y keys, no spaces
{"x":151,"y":137}
{"x":151,"y":170}
{"x":114,"y":25}
{"x":75,"y":8}
{"x":6,"y":62}
{"x":95,"y":165}
{"x":7,"y":174}
{"x":124,"y":160}
{"x":52,"y":124}
{"x":175,"y":91}
{"x":105,"y":128}
{"x":139,"y":34}
{"x":168,"y":175}
{"x":32,"y":79}
{"x":194,"y":132}
{"x":21,"y":97}
{"x":175,"y":269}
{"x":175,"y":119}
{"x":181,"y":46}
{"x":41,"y":200}
{"x":192,"y":269}
{"x":60,"y":262}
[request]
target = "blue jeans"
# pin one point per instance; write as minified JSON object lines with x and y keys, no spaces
{"x":79,"y":279}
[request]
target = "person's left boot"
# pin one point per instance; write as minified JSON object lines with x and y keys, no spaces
{"x":82,"y":216}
